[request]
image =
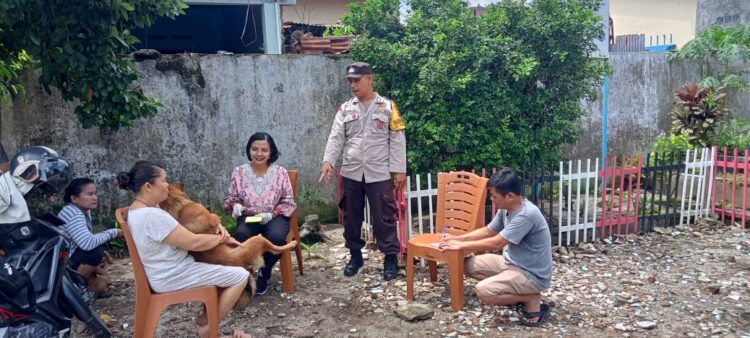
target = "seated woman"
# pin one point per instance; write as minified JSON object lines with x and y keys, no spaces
{"x":261,"y":188}
{"x":163,"y":245}
{"x":88,"y":256}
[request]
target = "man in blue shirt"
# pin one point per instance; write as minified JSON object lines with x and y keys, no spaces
{"x":519,"y":275}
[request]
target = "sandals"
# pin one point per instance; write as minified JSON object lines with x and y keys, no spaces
{"x":542,"y":315}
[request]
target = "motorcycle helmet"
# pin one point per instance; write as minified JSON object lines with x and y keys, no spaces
{"x":42,"y":167}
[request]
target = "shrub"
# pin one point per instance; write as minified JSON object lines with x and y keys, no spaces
{"x":672,"y":143}
{"x":735,"y":133}
{"x":697,"y":112}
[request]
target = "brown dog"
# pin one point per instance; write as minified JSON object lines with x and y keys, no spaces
{"x":196,"y":218}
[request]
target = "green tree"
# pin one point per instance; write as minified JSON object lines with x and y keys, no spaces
{"x":78,"y":48}
{"x":730,"y":47}
{"x":501,"y":89}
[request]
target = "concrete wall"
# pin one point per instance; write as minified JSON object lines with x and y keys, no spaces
{"x":726,"y":13}
{"x":663,"y":17}
{"x":641,"y":92}
{"x":201,"y":134}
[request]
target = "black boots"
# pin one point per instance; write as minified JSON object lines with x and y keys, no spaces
{"x":390,"y":267}
{"x":355,"y":263}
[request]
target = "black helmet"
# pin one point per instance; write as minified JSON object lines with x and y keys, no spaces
{"x":42,"y":167}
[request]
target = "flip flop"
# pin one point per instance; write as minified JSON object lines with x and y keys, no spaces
{"x":542,"y":315}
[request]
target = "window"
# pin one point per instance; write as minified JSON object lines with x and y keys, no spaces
{"x":207,"y":29}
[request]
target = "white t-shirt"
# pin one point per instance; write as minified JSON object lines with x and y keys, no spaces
{"x":149,"y":227}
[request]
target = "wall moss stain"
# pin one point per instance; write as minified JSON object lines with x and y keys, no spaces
{"x":185,"y":65}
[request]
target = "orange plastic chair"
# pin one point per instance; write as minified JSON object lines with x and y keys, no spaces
{"x":149,"y":304}
{"x":285,"y":264}
{"x":460,"y":209}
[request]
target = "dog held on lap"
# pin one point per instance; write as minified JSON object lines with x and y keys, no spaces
{"x":196,"y":218}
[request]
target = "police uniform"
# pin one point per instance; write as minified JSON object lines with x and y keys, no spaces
{"x":374,"y":146}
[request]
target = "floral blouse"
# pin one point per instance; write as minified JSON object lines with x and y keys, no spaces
{"x":270,"y":193}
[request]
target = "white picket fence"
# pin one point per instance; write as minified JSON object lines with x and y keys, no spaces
{"x":412,"y":196}
{"x":585,"y":226}
{"x":416,"y":196}
{"x":577,"y":198}
{"x":697,"y":184}
{"x":367,"y":231}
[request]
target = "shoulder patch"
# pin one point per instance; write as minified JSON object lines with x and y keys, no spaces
{"x":397,"y":123}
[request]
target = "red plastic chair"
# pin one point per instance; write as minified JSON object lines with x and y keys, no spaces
{"x":285,"y":263}
{"x":460,"y":209}
{"x":149,"y":304}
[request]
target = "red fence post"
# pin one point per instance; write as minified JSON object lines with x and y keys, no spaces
{"x":602,"y":222}
{"x":637,"y":190}
{"x":340,"y":193}
{"x":400,"y":198}
{"x":613,"y":218}
{"x":716,"y":174}
{"x":727,"y":206}
{"x":746,"y":168}
{"x":494,"y":207}
{"x":724,"y":185}
{"x":621,"y":173}
{"x":737,"y":165}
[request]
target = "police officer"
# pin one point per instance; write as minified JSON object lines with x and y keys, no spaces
{"x":370,"y":132}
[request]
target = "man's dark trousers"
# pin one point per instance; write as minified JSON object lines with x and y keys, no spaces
{"x":382,"y":209}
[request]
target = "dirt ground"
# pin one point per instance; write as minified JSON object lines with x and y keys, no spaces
{"x":688,"y":281}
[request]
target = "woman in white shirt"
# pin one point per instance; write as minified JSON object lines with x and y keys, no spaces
{"x":163,"y":245}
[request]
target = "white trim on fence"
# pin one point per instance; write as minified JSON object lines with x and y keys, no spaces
{"x":419,"y":193}
{"x":367,"y":231}
{"x":411,"y":195}
{"x":698,"y":170}
{"x":588,"y":221}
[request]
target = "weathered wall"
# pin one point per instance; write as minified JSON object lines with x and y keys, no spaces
{"x":641,"y":92}
{"x":726,"y":13}
{"x":201,"y":134}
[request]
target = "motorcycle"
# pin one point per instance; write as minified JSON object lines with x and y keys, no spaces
{"x":48,"y":293}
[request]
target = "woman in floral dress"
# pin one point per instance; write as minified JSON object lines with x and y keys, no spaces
{"x":261,"y":188}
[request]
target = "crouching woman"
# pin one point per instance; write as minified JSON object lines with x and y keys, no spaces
{"x":88,"y":256}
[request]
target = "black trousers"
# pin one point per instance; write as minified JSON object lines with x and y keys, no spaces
{"x":275,"y":231}
{"x":383,"y":210}
{"x":92,"y":257}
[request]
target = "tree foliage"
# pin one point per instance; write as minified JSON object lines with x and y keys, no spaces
{"x":78,"y":48}
{"x":500,"y":89}
{"x":730,"y":47}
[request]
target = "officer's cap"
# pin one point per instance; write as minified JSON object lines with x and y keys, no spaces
{"x":358,"y":69}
